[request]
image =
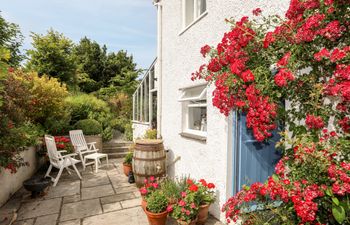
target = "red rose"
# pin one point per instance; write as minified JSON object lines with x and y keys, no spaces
{"x":211,"y":185}
{"x":193,"y":188}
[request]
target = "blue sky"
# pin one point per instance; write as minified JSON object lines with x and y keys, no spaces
{"x":120,"y":24}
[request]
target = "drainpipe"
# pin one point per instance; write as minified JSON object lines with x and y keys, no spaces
{"x":158,"y":4}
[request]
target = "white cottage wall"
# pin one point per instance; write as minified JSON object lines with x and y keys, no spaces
{"x":180,"y":57}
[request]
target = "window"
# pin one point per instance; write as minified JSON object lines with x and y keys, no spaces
{"x":194,"y":110}
{"x":145,"y":99}
{"x":193,"y":9}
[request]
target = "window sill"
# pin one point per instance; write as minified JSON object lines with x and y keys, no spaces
{"x":193,"y":136}
{"x":194,"y":22}
{"x":139,"y":122}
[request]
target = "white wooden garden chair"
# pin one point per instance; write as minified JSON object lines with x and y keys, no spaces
{"x":59,"y":161}
{"x":86,"y":151}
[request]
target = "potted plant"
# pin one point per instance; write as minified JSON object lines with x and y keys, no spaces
{"x":206,"y":196}
{"x":150,"y":185}
{"x":186,"y":209}
{"x":170,"y":189}
{"x":127,"y":164}
{"x":156,"y":209}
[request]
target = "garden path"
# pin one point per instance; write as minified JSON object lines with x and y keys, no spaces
{"x":103,"y":198}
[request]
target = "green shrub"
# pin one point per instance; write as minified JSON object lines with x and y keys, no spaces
{"x":151,"y":134}
{"x":84,"y":106}
{"x":107,"y":133}
{"x":58,"y":126}
{"x":157,"y":202}
{"x":128,"y":132}
{"x":89,"y":126}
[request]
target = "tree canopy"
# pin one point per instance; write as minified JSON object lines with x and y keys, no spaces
{"x":52,"y":55}
{"x":11,"y":38}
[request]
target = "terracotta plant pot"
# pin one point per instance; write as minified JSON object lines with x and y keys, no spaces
{"x":156,"y":218}
{"x":143,"y":204}
{"x":193,"y":222}
{"x":127,"y":168}
{"x":203,"y":214}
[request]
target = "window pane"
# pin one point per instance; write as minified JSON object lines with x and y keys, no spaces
{"x":197,"y":118}
{"x":154,"y":110}
{"x":202,"y":6}
{"x":195,"y":93}
{"x":145,"y":100}
{"x":139,"y":105}
{"x":152,"y":81}
{"x":189,"y":10}
{"x":134,"y":107}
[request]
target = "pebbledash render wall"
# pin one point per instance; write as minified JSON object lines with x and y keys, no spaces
{"x":212,"y":159}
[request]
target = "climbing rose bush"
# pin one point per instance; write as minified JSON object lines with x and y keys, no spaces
{"x":295,"y":71}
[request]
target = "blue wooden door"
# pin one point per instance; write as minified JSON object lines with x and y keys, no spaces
{"x":254,"y":161}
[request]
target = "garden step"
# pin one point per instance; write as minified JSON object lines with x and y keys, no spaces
{"x":116,"y":155}
{"x":117,"y":143}
{"x":115,"y":149}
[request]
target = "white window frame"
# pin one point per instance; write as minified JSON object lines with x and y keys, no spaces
{"x":193,"y":102}
{"x":139,"y":109}
{"x":197,"y":15}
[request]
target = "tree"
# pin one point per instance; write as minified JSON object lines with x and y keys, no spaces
{"x":90,"y":58}
{"x":11,"y":38}
{"x":120,"y":71}
{"x":52,"y":55}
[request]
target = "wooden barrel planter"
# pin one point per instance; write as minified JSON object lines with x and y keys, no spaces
{"x":149,"y":160}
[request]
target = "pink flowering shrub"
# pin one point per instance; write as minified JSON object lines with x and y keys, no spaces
{"x":303,"y":59}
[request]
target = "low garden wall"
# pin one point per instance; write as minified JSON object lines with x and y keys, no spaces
{"x":94,"y":138}
{"x":12,"y":182}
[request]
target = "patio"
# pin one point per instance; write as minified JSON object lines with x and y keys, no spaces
{"x":101,"y":198}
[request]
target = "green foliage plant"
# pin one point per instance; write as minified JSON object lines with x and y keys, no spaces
{"x":157,"y":202}
{"x":89,"y":126}
{"x":86,"y":106}
{"x":170,"y":189}
{"x":150,"y":134}
{"x":128,"y":158}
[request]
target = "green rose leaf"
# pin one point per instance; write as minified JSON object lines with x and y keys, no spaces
{"x":338,"y":213}
{"x":335,"y":201}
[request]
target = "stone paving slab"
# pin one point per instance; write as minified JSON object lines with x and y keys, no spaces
{"x":70,"y":222}
{"x":70,"y":199}
{"x":25,"y":222}
{"x":132,"y":216}
{"x":117,"y":198}
{"x":122,"y":190}
{"x":91,"y":180}
{"x":39,"y":208}
{"x":111,"y":207}
{"x":96,"y":192}
{"x":64,"y":188}
{"x":131,"y":203}
{"x":47,"y":220}
{"x":78,"y":210}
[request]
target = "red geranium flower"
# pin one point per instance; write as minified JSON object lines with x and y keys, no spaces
{"x":193,"y":188}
